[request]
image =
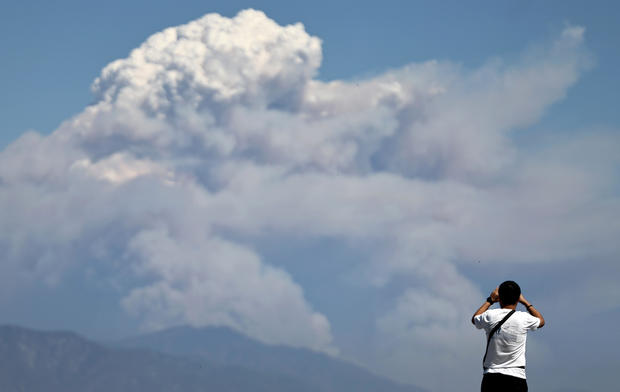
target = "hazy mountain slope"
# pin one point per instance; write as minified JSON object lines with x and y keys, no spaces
{"x":224,"y":346}
{"x":34,"y":361}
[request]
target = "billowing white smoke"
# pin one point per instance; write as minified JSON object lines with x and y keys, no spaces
{"x":215,"y":133}
{"x":125,"y":182}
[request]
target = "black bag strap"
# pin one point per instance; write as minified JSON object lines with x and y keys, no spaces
{"x":495,"y":328}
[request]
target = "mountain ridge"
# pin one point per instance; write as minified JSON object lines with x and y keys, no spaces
{"x":183,"y":359}
{"x":61,"y":361}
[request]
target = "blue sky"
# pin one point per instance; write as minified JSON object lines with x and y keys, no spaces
{"x":355,"y":186}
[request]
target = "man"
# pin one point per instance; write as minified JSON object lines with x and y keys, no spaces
{"x":504,"y":361}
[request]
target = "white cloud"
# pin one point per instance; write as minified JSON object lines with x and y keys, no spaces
{"x":214,"y":134}
{"x":119,"y":168}
{"x":210,"y":281}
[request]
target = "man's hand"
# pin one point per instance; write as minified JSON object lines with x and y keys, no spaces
{"x":495,"y":295}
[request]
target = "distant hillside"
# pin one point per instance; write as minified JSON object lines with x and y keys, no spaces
{"x":226,"y":347}
{"x":33,"y":361}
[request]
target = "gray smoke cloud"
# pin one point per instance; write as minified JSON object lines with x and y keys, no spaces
{"x":214,"y":134}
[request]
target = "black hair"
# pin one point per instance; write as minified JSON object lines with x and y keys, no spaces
{"x":509,"y":292}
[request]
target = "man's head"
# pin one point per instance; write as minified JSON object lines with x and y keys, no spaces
{"x":509,"y":293}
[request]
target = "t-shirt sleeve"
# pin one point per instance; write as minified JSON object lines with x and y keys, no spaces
{"x":481,"y":320}
{"x":531,"y":322}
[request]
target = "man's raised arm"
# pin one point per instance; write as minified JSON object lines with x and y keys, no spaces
{"x":530,"y":308}
{"x":494,"y":297}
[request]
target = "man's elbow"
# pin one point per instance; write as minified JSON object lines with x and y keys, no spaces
{"x":542,"y":323}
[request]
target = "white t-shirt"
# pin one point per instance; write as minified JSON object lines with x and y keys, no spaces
{"x":506,"y":352}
